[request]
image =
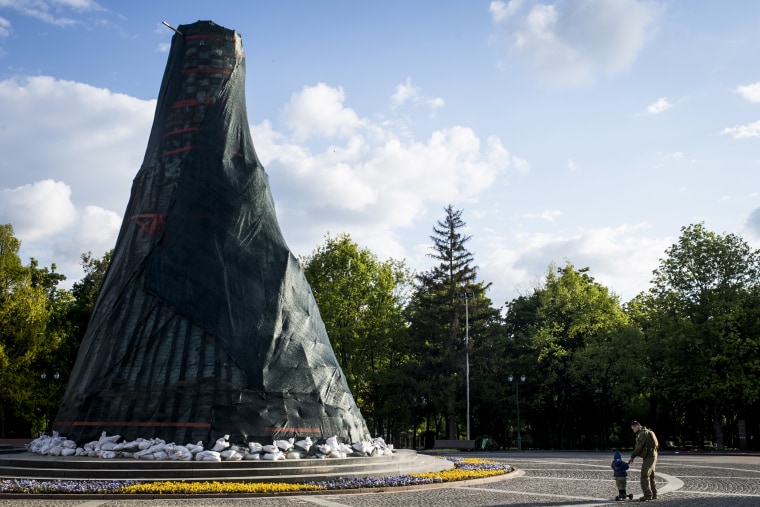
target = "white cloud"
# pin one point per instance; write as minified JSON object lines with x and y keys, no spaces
{"x":38,"y":9}
{"x":317,"y":111}
{"x":37,"y":210}
{"x":621,"y":258}
{"x":571,"y":165}
{"x":659,"y":106}
{"x":573,"y":42}
{"x":70,"y":152}
{"x":407,"y":93}
{"x":80,"y":5}
{"x":522,"y":166}
{"x":5,"y":27}
{"x":750,"y":92}
{"x":97,"y":227}
{"x":52,"y":230}
{"x":752,"y":223}
{"x":89,"y":138}
{"x":435,"y":103}
{"x":404,"y":93}
{"x":367,"y":178}
{"x":501,"y":11}
{"x":743,"y":131}
{"x":548,"y":215}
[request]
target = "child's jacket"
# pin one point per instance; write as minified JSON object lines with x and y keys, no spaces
{"x":619,"y":466}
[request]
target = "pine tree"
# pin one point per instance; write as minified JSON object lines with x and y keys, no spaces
{"x":437,"y":321}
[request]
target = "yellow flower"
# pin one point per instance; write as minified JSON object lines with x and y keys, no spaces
{"x":183,"y":487}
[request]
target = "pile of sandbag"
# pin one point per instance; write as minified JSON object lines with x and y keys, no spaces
{"x":112,"y":446}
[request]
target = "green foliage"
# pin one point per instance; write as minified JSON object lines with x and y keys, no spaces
{"x":32,"y":326}
{"x":703,"y":308}
{"x":574,"y":343}
{"x":437,"y":313}
{"x":360,"y":300}
{"x":683,"y":357}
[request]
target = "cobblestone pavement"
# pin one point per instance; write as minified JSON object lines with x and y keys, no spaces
{"x":544,"y":479}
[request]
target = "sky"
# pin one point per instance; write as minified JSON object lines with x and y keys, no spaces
{"x":580,"y":131}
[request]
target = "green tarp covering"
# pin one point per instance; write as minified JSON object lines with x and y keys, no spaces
{"x":205,"y":324}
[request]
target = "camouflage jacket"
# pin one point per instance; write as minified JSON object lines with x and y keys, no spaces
{"x":646,"y":444}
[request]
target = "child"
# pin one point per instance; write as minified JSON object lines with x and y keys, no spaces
{"x":619,"y":468}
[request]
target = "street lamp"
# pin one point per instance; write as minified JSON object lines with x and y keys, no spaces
{"x":467,"y":296}
{"x":510,"y":377}
{"x":43,"y":376}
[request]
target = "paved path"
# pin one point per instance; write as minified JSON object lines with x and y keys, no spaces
{"x":544,"y":479}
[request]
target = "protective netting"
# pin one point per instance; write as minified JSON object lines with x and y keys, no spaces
{"x":205,"y":324}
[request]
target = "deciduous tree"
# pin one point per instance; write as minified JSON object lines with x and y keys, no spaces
{"x":32,"y":325}
{"x":703,"y":315}
{"x":360,"y":300}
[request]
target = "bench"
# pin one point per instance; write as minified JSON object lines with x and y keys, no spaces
{"x":466,"y":445}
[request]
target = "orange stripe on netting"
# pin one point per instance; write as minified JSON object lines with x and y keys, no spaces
{"x":192,"y":103}
{"x":207,"y":70}
{"x":174,"y":152}
{"x":205,"y":36}
{"x":180,"y":131}
{"x":140,"y":424}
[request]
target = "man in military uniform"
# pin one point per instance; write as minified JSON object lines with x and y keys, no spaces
{"x":645,"y":448}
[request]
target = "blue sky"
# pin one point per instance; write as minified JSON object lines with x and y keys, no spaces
{"x":583,"y":131}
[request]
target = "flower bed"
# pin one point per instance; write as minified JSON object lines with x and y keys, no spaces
{"x":464,"y":469}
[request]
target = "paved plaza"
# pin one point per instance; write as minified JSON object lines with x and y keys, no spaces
{"x":543,"y":478}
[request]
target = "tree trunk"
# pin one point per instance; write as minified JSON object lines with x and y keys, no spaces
{"x":451,"y":420}
{"x":718,"y":425}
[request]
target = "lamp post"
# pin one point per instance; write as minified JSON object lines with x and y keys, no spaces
{"x":44,"y":377}
{"x":467,"y":296}
{"x":517,"y":403}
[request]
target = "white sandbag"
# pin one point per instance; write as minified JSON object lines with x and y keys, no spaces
{"x":253,"y":456}
{"x":106,"y":438}
{"x":273,"y":456}
{"x":66,"y":451}
{"x":284,"y":445}
{"x":131,"y":446}
{"x":208,"y":456}
{"x":231,"y":455}
{"x":270,"y":449}
{"x":195,"y":448}
{"x":294,"y":455}
{"x":107,"y":446}
{"x":254,"y":447}
{"x":221,"y":443}
{"x":363,"y":447}
{"x":304,"y":444}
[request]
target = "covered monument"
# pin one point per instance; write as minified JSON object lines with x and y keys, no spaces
{"x":205,"y":324}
